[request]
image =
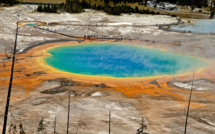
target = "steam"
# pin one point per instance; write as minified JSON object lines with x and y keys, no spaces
{"x":203,"y":26}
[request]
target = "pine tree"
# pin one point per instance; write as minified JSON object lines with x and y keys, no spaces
{"x":212,"y":14}
{"x":44,"y":8}
{"x":125,"y":1}
{"x":146,"y":2}
{"x":48,"y":8}
{"x":67,"y":2}
{"x":137,"y":9}
{"x":106,"y":1}
{"x":55,"y":8}
{"x":39,"y":8}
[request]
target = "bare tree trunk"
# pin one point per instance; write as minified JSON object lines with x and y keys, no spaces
{"x":55,"y":122}
{"x":78,"y":125}
{"x":109,"y":121}
{"x":10,"y":84}
{"x":68,"y":113}
{"x":188,"y":108}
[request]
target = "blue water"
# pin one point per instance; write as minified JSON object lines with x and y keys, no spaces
{"x":203,"y":26}
{"x":31,"y":24}
{"x":119,"y":60}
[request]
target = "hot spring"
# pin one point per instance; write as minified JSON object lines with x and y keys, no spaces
{"x":203,"y":26}
{"x":119,"y":60}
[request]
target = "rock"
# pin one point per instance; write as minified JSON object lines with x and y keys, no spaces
{"x":96,"y":94}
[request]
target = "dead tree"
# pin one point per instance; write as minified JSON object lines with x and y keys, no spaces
{"x":6,"y":55}
{"x":10,"y":128}
{"x":55,"y":122}
{"x":10,"y":84}
{"x":69,"y":109}
{"x":68,"y":113}
{"x":109,"y":121}
{"x":78,"y":125}
{"x":188,"y":108}
{"x":21,"y":129}
{"x":14,"y":129}
{"x":143,"y":128}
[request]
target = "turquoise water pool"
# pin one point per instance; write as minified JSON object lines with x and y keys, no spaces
{"x":31,"y":24}
{"x":119,"y":60}
{"x":203,"y":26}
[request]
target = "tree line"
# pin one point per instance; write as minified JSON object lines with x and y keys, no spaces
{"x":78,"y":6}
{"x":117,"y":10}
{"x":47,"y":8}
{"x":75,"y":6}
{"x":9,"y":2}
